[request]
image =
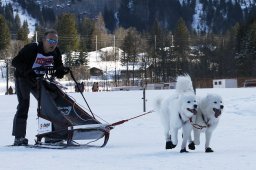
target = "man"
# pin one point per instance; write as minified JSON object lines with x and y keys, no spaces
{"x":30,"y":57}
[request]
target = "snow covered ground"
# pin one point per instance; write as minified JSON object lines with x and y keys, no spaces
{"x":139,"y":143}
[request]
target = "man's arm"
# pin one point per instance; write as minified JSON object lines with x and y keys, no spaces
{"x":58,"y":59}
{"x":58,"y":65}
{"x":21,"y":61}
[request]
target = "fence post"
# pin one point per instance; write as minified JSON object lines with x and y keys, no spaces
{"x":144,"y":99}
{"x":7,"y":76}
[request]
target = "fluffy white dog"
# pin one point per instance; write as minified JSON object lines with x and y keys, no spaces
{"x":209,"y":110}
{"x":176,"y":111}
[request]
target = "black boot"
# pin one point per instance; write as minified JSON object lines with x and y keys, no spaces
{"x":183,"y":150}
{"x":209,"y":150}
{"x":191,"y":146}
{"x":169,"y":145}
{"x":20,"y":141}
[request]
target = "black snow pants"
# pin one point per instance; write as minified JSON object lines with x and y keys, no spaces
{"x":23,"y":88}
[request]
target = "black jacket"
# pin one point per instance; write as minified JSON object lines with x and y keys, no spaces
{"x":25,"y":59}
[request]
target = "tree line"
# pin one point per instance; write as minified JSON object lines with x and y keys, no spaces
{"x":162,"y":53}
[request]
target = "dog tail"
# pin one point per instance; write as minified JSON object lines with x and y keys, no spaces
{"x":184,"y":84}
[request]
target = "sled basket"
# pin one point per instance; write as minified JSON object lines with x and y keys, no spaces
{"x":69,"y":121}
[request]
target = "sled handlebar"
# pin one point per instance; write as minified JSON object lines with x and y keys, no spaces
{"x":51,"y":70}
{"x":48,"y":70}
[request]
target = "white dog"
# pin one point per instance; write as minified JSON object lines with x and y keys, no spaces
{"x":209,"y":110}
{"x":175,"y":112}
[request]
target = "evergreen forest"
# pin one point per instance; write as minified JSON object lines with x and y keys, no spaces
{"x":162,"y":32}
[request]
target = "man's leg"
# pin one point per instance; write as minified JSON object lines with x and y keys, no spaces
{"x":20,"y":118}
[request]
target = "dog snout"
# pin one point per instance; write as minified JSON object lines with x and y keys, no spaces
{"x":195,"y":106}
{"x":221,"y":106}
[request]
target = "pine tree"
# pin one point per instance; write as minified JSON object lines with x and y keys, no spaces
{"x":86,"y":30}
{"x":82,"y":58}
{"x":17,"y":22}
{"x":103,"y":39}
{"x":181,"y":42}
{"x":69,"y":60}
{"x":25,"y":27}
{"x":181,"y":35}
{"x":5,"y":37}
{"x":23,"y":32}
{"x":68,"y":37}
{"x":156,"y":37}
{"x":1,"y":8}
{"x":229,"y":52}
{"x":131,"y":47}
{"x":8,"y":14}
{"x":206,"y":48}
{"x":67,"y":30}
{"x":126,"y":56}
{"x":245,"y":58}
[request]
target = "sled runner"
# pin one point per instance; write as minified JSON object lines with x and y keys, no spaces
{"x":61,"y":118}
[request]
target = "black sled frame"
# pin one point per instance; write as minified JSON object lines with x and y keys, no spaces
{"x":70,"y":121}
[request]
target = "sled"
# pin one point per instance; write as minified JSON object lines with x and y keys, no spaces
{"x":61,"y":118}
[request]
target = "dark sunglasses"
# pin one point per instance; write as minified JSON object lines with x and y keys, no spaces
{"x":52,"y":41}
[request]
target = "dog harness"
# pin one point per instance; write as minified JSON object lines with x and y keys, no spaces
{"x":197,"y":126}
{"x":183,"y":122}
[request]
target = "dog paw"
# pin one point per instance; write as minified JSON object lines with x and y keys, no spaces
{"x":183,"y":150}
{"x":191,"y":146}
{"x":169,"y":145}
{"x":208,"y":150}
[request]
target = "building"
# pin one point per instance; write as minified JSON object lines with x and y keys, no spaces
{"x":225,"y":83}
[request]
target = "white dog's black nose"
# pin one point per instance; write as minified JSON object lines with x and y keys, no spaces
{"x":221,"y":106}
{"x":195,"y":106}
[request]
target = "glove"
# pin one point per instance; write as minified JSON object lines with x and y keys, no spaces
{"x":61,"y":71}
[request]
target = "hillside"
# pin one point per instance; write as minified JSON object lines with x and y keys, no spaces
{"x":216,"y":16}
{"x":82,"y":7}
{"x":200,"y":15}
